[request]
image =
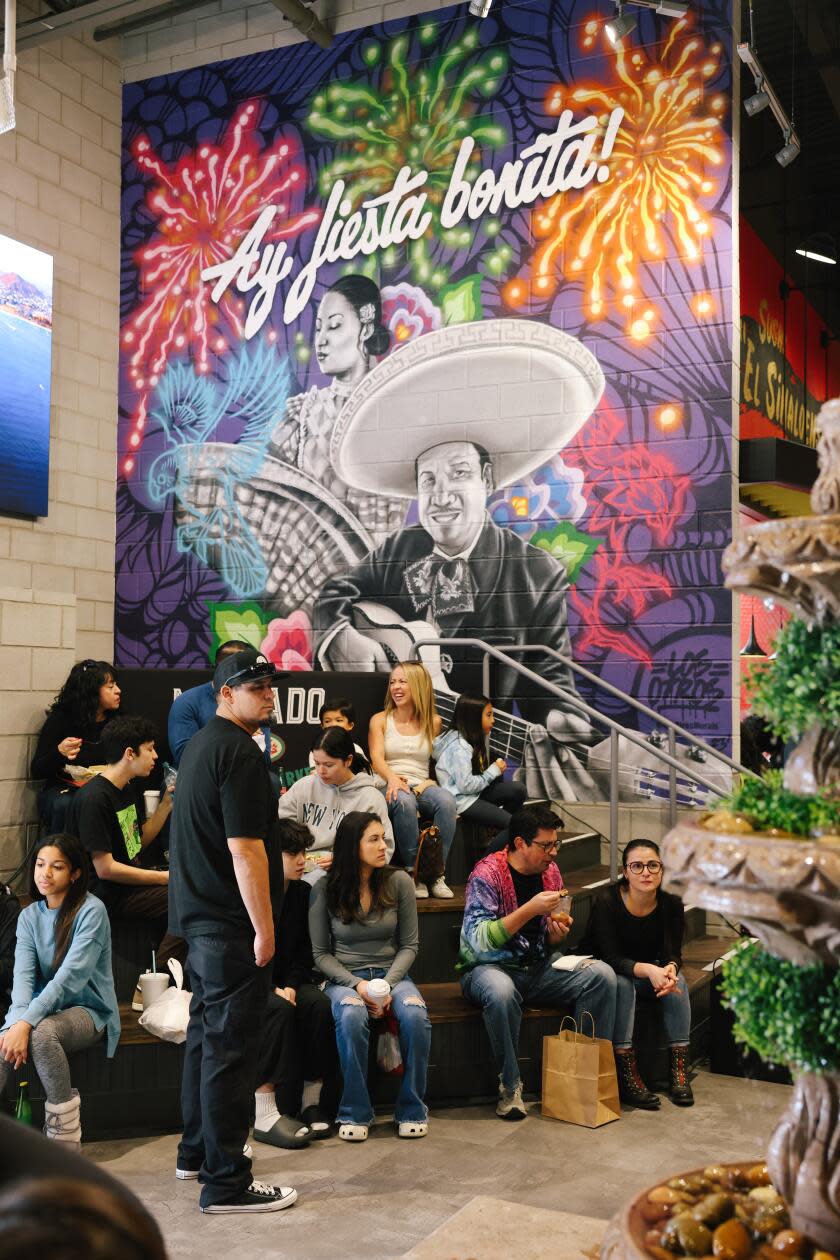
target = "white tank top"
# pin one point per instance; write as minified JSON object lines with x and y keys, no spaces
{"x":407,"y":755}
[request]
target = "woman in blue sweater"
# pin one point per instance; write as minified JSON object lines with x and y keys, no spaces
{"x":63,"y":996}
{"x":464,"y":768}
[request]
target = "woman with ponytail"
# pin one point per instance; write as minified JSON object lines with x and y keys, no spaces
{"x":63,"y":996}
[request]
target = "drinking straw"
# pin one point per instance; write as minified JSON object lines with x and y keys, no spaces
{"x":154,"y":963}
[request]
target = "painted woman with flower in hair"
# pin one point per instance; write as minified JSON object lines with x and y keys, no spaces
{"x":349,"y":336}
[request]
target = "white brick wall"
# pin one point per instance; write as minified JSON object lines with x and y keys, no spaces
{"x":232,"y":29}
{"x":60,"y":181}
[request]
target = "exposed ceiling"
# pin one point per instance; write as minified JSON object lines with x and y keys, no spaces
{"x":798,"y":45}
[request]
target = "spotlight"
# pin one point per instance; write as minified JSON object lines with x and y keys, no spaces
{"x":789,"y":153}
{"x":755,"y":104}
{"x":820,"y":248}
{"x":619,"y":26}
{"x":480,"y":8}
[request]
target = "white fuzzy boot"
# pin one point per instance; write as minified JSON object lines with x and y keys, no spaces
{"x":62,"y":1121}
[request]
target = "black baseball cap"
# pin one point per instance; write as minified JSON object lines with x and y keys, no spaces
{"x":246,"y":666}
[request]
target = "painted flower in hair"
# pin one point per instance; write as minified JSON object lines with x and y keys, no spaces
{"x":288,"y":642}
{"x":408,"y":312}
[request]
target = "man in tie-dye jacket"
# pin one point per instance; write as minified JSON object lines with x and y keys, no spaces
{"x":507,"y":938}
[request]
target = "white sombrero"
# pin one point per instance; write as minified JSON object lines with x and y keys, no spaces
{"x":520,"y":389}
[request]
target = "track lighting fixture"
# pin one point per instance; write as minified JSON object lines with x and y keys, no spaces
{"x":755,"y":104}
{"x":765,"y":97}
{"x":480,"y":8}
{"x":619,"y":26}
{"x":790,"y":150}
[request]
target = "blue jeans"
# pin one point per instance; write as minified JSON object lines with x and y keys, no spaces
{"x":352,"y":1034}
{"x":434,"y":805}
{"x":675,"y":1008}
{"x":501,"y":994}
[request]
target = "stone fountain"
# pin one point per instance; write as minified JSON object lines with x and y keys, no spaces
{"x":784,"y":890}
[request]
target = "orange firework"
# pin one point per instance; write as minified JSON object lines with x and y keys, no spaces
{"x":665,"y":162}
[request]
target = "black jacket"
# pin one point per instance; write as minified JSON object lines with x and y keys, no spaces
{"x":610,"y":930}
{"x":293,"y":963}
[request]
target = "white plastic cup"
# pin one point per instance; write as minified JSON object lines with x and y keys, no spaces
{"x":153,"y":984}
{"x":378,"y":991}
{"x":151,"y":800}
{"x":563,"y":908}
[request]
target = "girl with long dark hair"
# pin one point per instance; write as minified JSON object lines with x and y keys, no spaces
{"x":89,"y":698}
{"x":322,"y":799}
{"x":637,"y":928}
{"x":464,"y":768}
{"x":363,"y":925}
{"x":63,"y":996}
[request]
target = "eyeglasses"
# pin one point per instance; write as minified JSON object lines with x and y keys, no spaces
{"x":636,"y":868}
{"x":547,"y":846}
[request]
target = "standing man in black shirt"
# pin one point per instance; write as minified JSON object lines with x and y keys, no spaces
{"x":225,"y":893}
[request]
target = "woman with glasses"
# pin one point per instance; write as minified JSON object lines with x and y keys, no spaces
{"x":71,"y":735}
{"x":638,"y":929}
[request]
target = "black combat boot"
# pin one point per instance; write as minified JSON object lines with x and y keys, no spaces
{"x":631,"y":1087}
{"x":679,"y":1088}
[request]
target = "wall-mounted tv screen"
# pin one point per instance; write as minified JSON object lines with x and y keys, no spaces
{"x":26,"y":280}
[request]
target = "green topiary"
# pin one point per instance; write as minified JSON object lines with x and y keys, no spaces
{"x":802,"y":685}
{"x":767,"y":803}
{"x":786,"y":1013}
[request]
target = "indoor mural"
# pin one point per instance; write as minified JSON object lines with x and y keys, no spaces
{"x":430,"y":335}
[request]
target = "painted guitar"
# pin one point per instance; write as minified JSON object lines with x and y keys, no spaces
{"x":641,"y":774}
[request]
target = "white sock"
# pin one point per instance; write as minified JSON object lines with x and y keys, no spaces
{"x":311,"y":1095}
{"x":267,"y":1113}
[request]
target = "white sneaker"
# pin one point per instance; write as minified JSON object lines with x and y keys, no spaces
{"x":420,"y":890}
{"x":510,"y":1105}
{"x":440,"y":888}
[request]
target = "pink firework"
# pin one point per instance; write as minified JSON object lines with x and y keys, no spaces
{"x":204,"y":204}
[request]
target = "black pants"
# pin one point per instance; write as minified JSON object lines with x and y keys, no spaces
{"x":494,"y":809}
{"x":227,"y":1011}
{"x":298,"y":1044}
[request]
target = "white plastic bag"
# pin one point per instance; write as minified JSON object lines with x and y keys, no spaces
{"x":168,"y":1017}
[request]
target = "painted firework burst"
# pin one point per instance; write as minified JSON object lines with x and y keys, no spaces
{"x":416,"y":115}
{"x":203,"y":205}
{"x":667,"y":159}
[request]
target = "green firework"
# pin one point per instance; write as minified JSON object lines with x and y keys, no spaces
{"x":417,"y":114}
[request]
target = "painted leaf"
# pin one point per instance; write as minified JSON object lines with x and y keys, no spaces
{"x":461,"y":303}
{"x":568,"y":545}
{"x":247,"y":622}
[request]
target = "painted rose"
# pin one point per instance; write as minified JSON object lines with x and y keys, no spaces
{"x":407,"y":312}
{"x":288,"y":642}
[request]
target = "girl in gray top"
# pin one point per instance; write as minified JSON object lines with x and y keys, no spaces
{"x":363,"y":926}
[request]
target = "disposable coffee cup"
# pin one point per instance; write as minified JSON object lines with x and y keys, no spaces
{"x":152,"y":799}
{"x":563,"y":908}
{"x":378,"y":990}
{"x":153,"y":984}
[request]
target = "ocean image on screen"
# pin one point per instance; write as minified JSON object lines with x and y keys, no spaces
{"x":26,"y":277}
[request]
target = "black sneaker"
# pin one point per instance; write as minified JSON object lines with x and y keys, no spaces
{"x":257,"y":1198}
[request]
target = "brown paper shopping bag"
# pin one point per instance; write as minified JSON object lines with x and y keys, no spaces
{"x":579,"y":1083}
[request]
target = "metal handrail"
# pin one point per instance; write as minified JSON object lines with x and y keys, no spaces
{"x":627,"y":699}
{"x":615,"y":729}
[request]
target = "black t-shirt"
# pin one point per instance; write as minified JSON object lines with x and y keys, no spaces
{"x":641,"y":938}
{"x":107,"y":820}
{"x":526,"y":887}
{"x":223,"y":791}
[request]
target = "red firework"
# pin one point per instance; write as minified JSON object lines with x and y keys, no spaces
{"x":203,"y":206}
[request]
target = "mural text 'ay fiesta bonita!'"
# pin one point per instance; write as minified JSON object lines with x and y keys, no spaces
{"x":554,"y":162}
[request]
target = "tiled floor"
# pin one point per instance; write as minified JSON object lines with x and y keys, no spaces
{"x":385,"y":1198}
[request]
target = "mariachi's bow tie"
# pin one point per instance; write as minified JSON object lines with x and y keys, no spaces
{"x":445,"y":586}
